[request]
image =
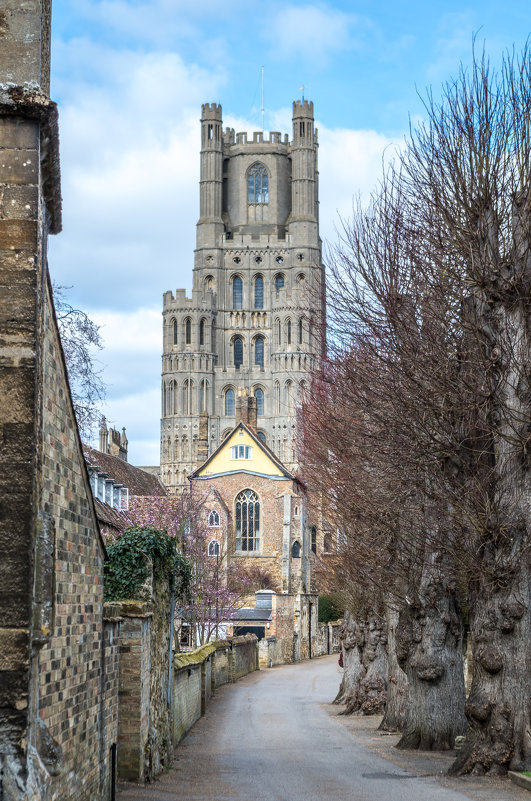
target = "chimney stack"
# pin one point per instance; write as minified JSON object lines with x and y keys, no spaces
{"x":246,"y":410}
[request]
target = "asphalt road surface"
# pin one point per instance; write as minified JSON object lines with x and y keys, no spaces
{"x":274,"y":736}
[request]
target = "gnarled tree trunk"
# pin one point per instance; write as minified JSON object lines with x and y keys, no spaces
{"x":429,"y":641}
{"x":395,"y":715}
{"x":365,"y":665}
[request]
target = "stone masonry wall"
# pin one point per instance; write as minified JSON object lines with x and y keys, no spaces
{"x":198,"y":673}
{"x":135,"y":684}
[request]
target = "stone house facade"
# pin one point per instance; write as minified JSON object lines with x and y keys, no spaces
{"x":254,"y":321}
{"x":255,"y":513}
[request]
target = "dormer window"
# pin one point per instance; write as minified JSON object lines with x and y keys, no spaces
{"x":241,"y":451}
{"x":258,"y":184}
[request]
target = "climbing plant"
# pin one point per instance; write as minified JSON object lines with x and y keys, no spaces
{"x":128,"y":559}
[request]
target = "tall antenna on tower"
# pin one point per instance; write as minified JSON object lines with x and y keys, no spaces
{"x":263,"y":108}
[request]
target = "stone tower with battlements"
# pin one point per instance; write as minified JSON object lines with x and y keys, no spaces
{"x":253,"y":326}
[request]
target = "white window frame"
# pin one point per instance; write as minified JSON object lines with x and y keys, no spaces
{"x":241,"y":452}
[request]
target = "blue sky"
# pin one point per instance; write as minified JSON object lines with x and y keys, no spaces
{"x":130,"y":78}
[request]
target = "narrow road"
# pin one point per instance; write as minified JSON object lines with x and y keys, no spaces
{"x":273,"y":736}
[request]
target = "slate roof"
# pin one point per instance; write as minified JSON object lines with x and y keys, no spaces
{"x":251,"y":613}
{"x":137,"y":481}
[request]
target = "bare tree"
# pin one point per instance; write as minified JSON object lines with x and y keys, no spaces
{"x":430,"y":469}
{"x":80,"y":336}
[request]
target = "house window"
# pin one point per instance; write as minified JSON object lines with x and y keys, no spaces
{"x":238,"y":352}
{"x":296,"y":550}
{"x":213,"y":519}
{"x":259,"y":395}
{"x":259,"y":292}
{"x":213,"y":548}
{"x":247,"y":521}
{"x":229,"y":403}
{"x":241,"y":452}
{"x":237,"y":292}
{"x":279,"y":281}
{"x":259,"y":352}
{"x":257,"y":184}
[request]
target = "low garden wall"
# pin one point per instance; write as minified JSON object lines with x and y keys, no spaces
{"x":197,"y":675}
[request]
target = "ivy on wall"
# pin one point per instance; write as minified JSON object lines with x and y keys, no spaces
{"x":129,"y":559}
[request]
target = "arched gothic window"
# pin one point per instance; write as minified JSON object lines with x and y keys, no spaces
{"x":258,"y":292}
{"x":213,"y":548}
{"x":237,"y":292}
{"x":300,"y":331}
{"x":288,"y":332}
{"x":238,"y":352}
{"x":289,"y":396}
{"x":247,"y":521}
{"x":202,"y":331}
{"x":259,"y":352}
{"x":187,"y":331}
{"x":259,"y":395}
{"x":188,"y":399}
{"x":279,"y":332}
{"x":203,"y":399}
{"x":229,"y":403}
{"x":174,"y":325}
{"x":213,"y":519}
{"x":279,"y":281}
{"x":296,"y":550}
{"x":262,"y":437}
{"x":257,"y":184}
{"x":277,"y":397}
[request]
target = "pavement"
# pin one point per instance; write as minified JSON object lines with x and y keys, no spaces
{"x":275,"y":736}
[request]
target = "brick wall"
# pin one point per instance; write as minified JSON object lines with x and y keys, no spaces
{"x":134,"y":691}
{"x":198,"y":673}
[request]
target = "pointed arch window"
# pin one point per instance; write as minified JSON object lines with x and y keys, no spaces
{"x":238,"y":352}
{"x":258,"y":292}
{"x":279,"y":332}
{"x":213,"y":519}
{"x":259,"y":395}
{"x":202,"y":325}
{"x":296,"y":550}
{"x":247,"y":521}
{"x":188,"y":331}
{"x":237,"y":292}
{"x":300,"y":331}
{"x":288,"y":332}
{"x":279,"y":281}
{"x":262,"y":437}
{"x":213,"y":548}
{"x":174,"y":326}
{"x":188,"y":399}
{"x":259,"y":352}
{"x":257,"y":184}
{"x":313,"y":534}
{"x":229,"y":403}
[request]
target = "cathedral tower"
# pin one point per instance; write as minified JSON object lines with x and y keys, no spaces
{"x":253,"y":325}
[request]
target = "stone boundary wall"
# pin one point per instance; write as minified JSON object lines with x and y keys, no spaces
{"x":197,"y":675}
{"x":328,"y":641}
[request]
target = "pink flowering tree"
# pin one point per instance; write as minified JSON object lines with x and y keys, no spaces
{"x":212,"y":601}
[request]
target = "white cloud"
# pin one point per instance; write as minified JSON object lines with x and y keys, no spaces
{"x":313,"y":32}
{"x":350,"y":164}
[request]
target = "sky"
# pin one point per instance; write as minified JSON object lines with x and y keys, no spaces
{"x":130,"y":76}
